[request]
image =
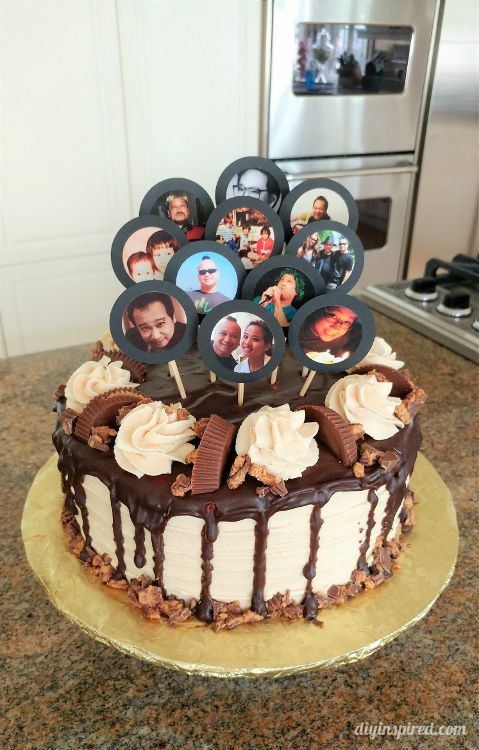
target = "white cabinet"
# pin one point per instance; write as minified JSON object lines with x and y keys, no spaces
{"x":100,"y":100}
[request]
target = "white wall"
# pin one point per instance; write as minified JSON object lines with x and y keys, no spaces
{"x":100,"y":100}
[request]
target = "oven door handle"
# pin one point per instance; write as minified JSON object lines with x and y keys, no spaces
{"x":410,"y":169}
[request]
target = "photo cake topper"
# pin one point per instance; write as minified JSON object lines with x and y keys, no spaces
{"x":154,"y":322}
{"x":240,"y":342}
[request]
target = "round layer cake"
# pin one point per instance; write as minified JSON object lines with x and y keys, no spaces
{"x":238,"y":553}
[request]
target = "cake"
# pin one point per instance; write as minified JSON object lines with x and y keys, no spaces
{"x":235,"y":514}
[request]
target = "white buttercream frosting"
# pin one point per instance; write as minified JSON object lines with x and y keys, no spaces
{"x":151,"y":437}
{"x":93,"y":378}
{"x":381,"y":354}
{"x":280,"y":440}
{"x":361,"y":399}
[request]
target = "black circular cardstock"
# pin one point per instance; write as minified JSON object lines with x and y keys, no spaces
{"x":365,"y":334}
{"x":256,"y":205}
{"x":126,"y":231}
{"x":317,"y":185}
{"x":149,"y":204}
{"x":278,"y":263}
{"x":316,"y":227}
{"x":279,"y":184}
{"x":213,"y":362}
{"x":205,"y":247}
{"x":160,"y":357}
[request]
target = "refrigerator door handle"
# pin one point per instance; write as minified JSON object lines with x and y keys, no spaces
{"x":410,"y":169}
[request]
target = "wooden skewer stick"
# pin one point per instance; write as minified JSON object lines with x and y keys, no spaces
{"x":240,"y":394}
{"x":170,"y":370}
{"x":176,"y":375}
{"x":274,"y":376}
{"x":304,"y":372}
{"x":212,"y":376}
{"x":307,"y":383}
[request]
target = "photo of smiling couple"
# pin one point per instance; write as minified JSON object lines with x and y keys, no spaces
{"x":242,"y":342}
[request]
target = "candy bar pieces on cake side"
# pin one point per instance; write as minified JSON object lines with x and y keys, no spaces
{"x":228,"y":515}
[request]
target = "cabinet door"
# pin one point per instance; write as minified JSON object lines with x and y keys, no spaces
{"x":191,"y":72}
{"x":63,"y":177}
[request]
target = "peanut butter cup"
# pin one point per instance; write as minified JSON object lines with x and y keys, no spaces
{"x":103,"y":410}
{"x":211,"y":455}
{"x":334,"y":432}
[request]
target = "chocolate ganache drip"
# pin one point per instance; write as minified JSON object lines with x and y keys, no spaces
{"x":151,"y":505}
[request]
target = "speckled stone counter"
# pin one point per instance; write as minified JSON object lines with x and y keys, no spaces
{"x":64,"y":690}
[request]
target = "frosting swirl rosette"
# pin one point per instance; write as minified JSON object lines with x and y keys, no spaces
{"x":361,"y":399}
{"x":93,"y":378}
{"x":152,"y":436}
{"x":380,"y":354}
{"x":280,"y":440}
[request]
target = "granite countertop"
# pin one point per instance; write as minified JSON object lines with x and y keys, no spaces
{"x":64,"y":690}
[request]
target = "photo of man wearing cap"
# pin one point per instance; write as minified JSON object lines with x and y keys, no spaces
{"x":324,"y":261}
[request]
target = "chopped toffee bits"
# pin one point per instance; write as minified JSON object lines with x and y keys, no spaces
{"x":68,"y":420}
{"x":238,"y":471}
{"x":59,"y":392}
{"x":97,"y":351}
{"x":335,"y":432}
{"x":200,"y":426}
{"x":358,"y":470}
{"x":279,"y":490}
{"x":101,"y":437}
{"x":262,"y":475}
{"x":369,"y":455}
{"x":181,"y":486}
{"x":388,"y":460}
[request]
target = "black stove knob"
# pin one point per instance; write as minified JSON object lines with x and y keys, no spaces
{"x":455,"y":304}
{"x":422,"y":290}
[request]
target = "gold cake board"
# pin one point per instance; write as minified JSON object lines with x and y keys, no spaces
{"x":272,"y":648}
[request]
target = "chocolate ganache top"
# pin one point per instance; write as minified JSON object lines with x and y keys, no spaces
{"x":150,"y":500}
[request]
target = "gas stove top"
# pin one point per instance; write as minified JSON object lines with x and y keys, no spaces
{"x":442,"y":305}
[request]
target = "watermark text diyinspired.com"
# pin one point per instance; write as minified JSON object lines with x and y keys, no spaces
{"x":406,"y":730}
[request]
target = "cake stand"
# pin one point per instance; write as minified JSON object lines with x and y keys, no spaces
{"x":272,"y":648}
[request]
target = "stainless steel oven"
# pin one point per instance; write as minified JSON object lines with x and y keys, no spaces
{"x":347,"y":77}
{"x":345,"y":93}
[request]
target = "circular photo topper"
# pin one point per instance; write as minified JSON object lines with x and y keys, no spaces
{"x":318,"y":200}
{"x":153,"y":322}
{"x":182,"y":201}
{"x":248,"y":227}
{"x":253,"y":177}
{"x":282,"y":285}
{"x":143,"y":247}
{"x":333,"y":249}
{"x":209,"y":274}
{"x":240,"y":342}
{"x":331,"y":333}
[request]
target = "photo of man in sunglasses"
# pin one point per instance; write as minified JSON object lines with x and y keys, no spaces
{"x":207,"y":297}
